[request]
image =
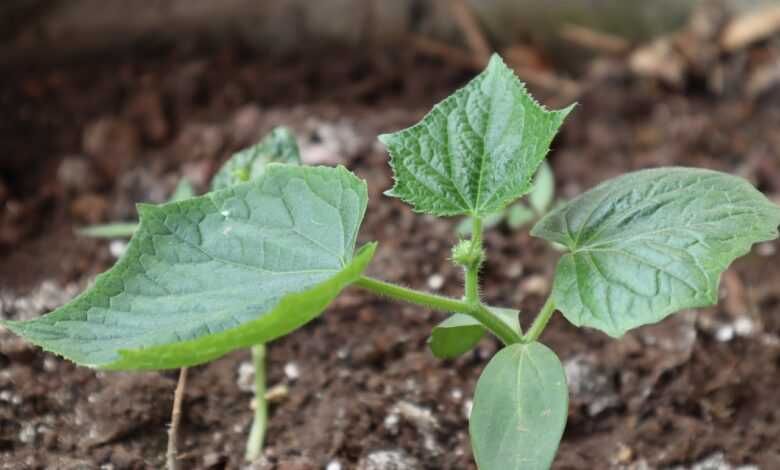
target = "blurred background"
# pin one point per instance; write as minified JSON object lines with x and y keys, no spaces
{"x":106,"y":103}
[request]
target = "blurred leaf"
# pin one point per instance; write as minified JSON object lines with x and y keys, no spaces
{"x":113,"y":230}
{"x":543,"y":192}
{"x":518,"y":215}
{"x":184,"y":190}
{"x":279,"y":146}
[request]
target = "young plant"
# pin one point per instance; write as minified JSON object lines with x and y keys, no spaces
{"x":279,"y":146}
{"x":252,"y":262}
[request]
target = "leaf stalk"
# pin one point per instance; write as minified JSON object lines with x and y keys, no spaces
{"x":477,"y":310}
{"x":540,"y":322}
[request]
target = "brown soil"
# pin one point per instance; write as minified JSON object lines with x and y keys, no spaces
{"x":698,"y":385}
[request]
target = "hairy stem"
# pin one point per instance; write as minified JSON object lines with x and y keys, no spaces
{"x":541,"y":320}
{"x":472,"y":270}
{"x":173,"y":431}
{"x":446,"y":304}
{"x":254,"y":445}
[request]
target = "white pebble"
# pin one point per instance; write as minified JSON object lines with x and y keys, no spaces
{"x":117,"y":248}
{"x":766,"y":249}
{"x":436,"y":281}
{"x":467,"y":408}
{"x":292,"y":371}
{"x":744,"y":326}
{"x":725,"y":333}
{"x":333,"y":465}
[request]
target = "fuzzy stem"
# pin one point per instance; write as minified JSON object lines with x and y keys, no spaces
{"x":254,"y":445}
{"x":446,"y":304}
{"x":471,"y":287}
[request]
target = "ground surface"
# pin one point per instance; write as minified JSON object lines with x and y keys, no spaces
{"x":81,"y":144}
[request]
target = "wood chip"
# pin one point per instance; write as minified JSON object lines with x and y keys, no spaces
{"x":592,"y":39}
{"x":750,"y":27}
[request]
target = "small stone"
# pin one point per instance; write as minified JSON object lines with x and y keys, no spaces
{"x":246,"y":377}
{"x":766,"y":249}
{"x":392,"y":421}
{"x":76,"y":173}
{"x":395,"y":459}
{"x":744,"y":326}
{"x":436,"y":281}
{"x":467,"y":407}
{"x":535,"y":284}
{"x":117,"y":248}
{"x":724,"y":333}
{"x":420,"y":417}
{"x":211,"y":459}
{"x":514,"y":270}
{"x":333,"y":465}
{"x":292,"y":371}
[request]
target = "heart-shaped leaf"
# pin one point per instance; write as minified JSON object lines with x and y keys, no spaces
{"x":459,"y":333}
{"x":477,"y":150}
{"x":207,"y":275}
{"x":520,"y":409}
{"x":650,"y":243}
{"x":279,"y":146}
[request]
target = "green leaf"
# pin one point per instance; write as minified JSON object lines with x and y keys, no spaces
{"x":518,"y":215}
{"x":543,"y":192}
{"x":459,"y":333}
{"x":520,"y":409}
{"x":184,"y":190}
{"x":651,"y":243}
{"x":207,"y":275}
{"x":476,"y":151}
{"x":113,"y":230}
{"x":279,"y":146}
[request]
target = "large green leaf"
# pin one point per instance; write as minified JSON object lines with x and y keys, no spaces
{"x":653,"y":242}
{"x":279,"y":146}
{"x":459,"y":333}
{"x":477,"y":150}
{"x":210,"y":274}
{"x":520,"y":409}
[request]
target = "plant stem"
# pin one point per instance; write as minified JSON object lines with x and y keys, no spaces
{"x":471,"y":287}
{"x":254,"y":445}
{"x":446,"y":304}
{"x":173,"y":431}
{"x":540,"y":322}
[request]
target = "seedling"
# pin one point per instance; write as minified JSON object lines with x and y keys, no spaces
{"x":253,"y":262}
{"x":279,"y":146}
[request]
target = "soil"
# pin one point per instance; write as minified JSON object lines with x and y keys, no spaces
{"x":82,"y":143}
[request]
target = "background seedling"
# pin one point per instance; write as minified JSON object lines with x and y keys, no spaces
{"x":251,"y":262}
{"x":279,"y":146}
